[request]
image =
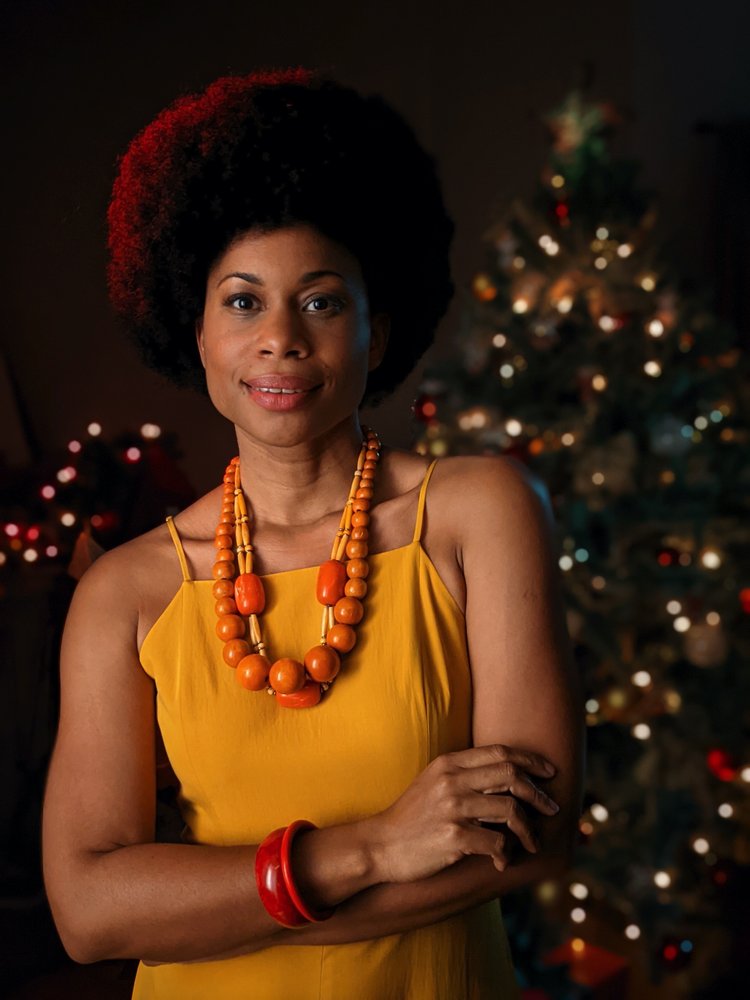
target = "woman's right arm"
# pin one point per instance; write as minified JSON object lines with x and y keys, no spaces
{"x":114,"y":893}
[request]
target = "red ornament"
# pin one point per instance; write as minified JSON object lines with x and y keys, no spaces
{"x":425,"y":409}
{"x":721,"y":764}
{"x":745,"y":599}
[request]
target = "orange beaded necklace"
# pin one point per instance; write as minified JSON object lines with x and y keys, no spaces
{"x":340,"y":588}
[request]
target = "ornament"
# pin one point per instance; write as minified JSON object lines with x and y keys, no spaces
{"x":705,"y":645}
{"x":722,"y":764}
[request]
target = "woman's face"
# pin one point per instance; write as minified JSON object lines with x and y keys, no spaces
{"x":286,"y":336}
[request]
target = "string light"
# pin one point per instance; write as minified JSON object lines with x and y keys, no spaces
{"x":133,"y":454}
{"x":578,"y":915}
{"x":674,"y":607}
{"x":592,"y":705}
{"x":598,"y":582}
{"x":633,"y":932}
{"x":656,"y":328}
{"x":94,"y":429}
{"x":599,"y":812}
{"x":602,"y":233}
{"x":652,"y":368}
{"x":499,"y":340}
{"x":150,"y":431}
{"x":599,"y":382}
{"x":67,"y":474}
{"x":579,"y":890}
{"x":681,"y":624}
{"x":565,"y":304}
{"x":641,"y":731}
{"x":47,"y":492}
{"x":74,"y":446}
{"x":624,"y":250}
{"x":662,"y":879}
{"x":31,"y":555}
{"x":12,"y":530}
{"x":513,"y":427}
{"x":51,"y":551}
{"x":600,"y":263}
{"x":507,"y":371}
{"x":647,"y":283}
{"x":641,"y":678}
{"x":558,"y":181}
{"x":725,"y":810}
{"x":710,"y":558}
{"x":520,"y":306}
{"x":701,"y":845}
{"x":68,"y":519}
{"x":607,"y":323}
{"x":565,"y":563}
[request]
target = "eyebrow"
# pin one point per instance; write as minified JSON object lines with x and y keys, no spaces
{"x":255,"y":279}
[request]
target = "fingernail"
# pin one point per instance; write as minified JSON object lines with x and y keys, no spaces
{"x":549,"y":768}
{"x":554,"y":805}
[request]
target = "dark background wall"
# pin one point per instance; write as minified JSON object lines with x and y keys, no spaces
{"x":80,"y":78}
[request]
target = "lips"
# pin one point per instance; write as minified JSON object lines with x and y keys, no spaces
{"x":280,"y":392}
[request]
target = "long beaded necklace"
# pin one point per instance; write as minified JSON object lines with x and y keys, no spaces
{"x":341,"y":585}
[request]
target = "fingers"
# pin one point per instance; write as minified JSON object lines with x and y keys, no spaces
{"x":497,"y":753}
{"x":477,"y":840}
{"x":502,"y":809}
{"x":507,"y":777}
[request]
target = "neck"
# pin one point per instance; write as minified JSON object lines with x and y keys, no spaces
{"x":300,"y":484}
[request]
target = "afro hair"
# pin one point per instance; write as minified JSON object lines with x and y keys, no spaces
{"x":268,"y":150}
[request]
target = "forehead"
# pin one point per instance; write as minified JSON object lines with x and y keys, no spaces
{"x":286,"y":251}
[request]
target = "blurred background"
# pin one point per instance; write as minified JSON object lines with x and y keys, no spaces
{"x":588,"y":128}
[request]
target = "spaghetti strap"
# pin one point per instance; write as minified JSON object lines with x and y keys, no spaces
{"x":178,"y":545}
{"x":420,"y":504}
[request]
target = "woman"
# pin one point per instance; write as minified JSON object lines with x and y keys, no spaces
{"x":283,"y":241}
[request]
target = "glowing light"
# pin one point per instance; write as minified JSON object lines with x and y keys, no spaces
{"x":581,"y":555}
{"x":579,"y":890}
{"x":507,"y":371}
{"x":599,"y":382}
{"x":600,"y":263}
{"x":513,"y":427}
{"x":652,"y":368}
{"x":12,"y":530}
{"x":647,"y":283}
{"x":641,"y":731}
{"x":94,"y":429}
{"x":674,"y":607}
{"x":701,"y":845}
{"x":607,"y":323}
{"x":565,"y":304}
{"x":3,"y":558}
{"x":598,"y":582}
{"x":578,"y":915}
{"x":565,"y":563}
{"x":552,"y":248}
{"x":150,"y":431}
{"x":641,"y":678}
{"x":74,"y":446}
{"x":592,"y":706}
{"x":624,"y":250}
{"x":133,"y":454}
{"x":567,"y":439}
{"x":439,"y":448}
{"x":499,"y":340}
{"x":656,"y":328}
{"x":545,"y":240}
{"x":47,"y":492}
{"x":519,"y":263}
{"x":633,"y":932}
{"x":32,"y":534}
{"x":681,"y":624}
{"x":602,"y":233}
{"x":597,"y":478}
{"x":67,"y":474}
{"x":558,"y":181}
{"x":51,"y":551}
{"x":599,"y":812}
{"x":725,"y":810}
{"x":662,"y":879}
{"x":578,"y":944}
{"x":745,"y":773}
{"x":68,"y":519}
{"x":701,"y":423}
{"x":520,"y":306}
{"x":31,"y":555}
{"x":713,"y":618}
{"x":710,"y":558}
{"x":716,"y":416}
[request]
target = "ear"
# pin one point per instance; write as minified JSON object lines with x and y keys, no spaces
{"x":199,"y":339}
{"x":380,"y":329}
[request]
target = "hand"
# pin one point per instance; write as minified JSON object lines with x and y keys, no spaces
{"x":437,"y":820}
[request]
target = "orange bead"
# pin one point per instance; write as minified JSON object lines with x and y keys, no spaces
{"x":356,"y":587}
{"x":306,"y":697}
{"x":356,"y":549}
{"x":234,"y":651}
{"x":287,"y":675}
{"x":252,"y":672}
{"x":222,"y":571}
{"x":331,"y":580}
{"x":223,"y":588}
{"x":341,"y":637}
{"x":226,"y":518}
{"x":225,"y":606}
{"x":357,"y":567}
{"x":223,"y":542}
{"x":360,"y":534}
{"x":371,"y":456}
{"x":370,"y":466}
{"x":348,"y":610}
{"x":230,"y":627}
{"x":363,"y":493}
{"x":360,"y":519}
{"x":224,"y":555}
{"x":322,"y":663}
{"x":361,"y":504}
{"x":249,"y":594}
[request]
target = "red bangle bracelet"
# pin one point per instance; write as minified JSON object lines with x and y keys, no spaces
{"x":270,"y":881}
{"x":312,"y":916}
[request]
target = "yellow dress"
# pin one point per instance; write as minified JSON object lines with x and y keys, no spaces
{"x":246,"y":766}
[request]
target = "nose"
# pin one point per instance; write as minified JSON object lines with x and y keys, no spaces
{"x":282,"y":334}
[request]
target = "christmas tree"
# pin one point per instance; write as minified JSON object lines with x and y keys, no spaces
{"x":586,"y":357}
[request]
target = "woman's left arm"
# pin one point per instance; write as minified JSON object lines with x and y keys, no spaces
{"x":526,"y":695}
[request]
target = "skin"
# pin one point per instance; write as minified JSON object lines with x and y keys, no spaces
{"x":115,"y":893}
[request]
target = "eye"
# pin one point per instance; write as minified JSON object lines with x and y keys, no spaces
{"x":241,"y":301}
{"x":329,"y":300}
